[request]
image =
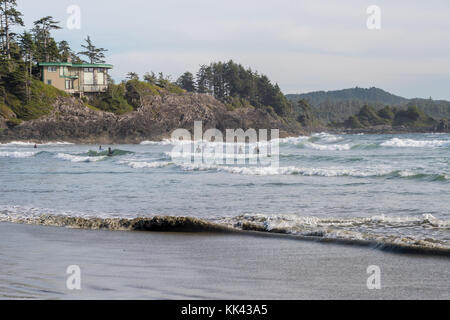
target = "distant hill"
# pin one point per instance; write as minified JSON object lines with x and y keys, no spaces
{"x":339,"y":105}
{"x":437,"y":109}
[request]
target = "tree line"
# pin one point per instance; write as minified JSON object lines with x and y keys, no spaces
{"x":229,"y":82}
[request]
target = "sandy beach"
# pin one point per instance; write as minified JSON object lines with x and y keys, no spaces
{"x":147,"y":265}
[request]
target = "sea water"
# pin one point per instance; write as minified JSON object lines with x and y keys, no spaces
{"x":385,"y":188}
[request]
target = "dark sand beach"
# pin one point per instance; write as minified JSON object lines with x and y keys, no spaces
{"x":147,"y":265}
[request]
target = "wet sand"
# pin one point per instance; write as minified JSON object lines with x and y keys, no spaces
{"x":147,"y":265}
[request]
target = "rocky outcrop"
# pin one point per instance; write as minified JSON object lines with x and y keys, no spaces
{"x":443,"y":126}
{"x":158,"y":116}
{"x":3,"y":125}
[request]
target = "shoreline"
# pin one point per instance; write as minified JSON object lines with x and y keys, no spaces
{"x":165,"y":265}
{"x":103,"y":141}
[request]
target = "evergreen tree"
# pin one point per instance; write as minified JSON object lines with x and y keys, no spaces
{"x":132,"y":76}
{"x":204,"y":79}
{"x":306,"y":116}
{"x":65,"y":53}
{"x":163,"y":81}
{"x":230,"y":81}
{"x":9,"y":17}
{"x":42,"y":32}
{"x":94,"y":54}
{"x":186,"y":81}
{"x":27,"y":47}
{"x":150,"y":77}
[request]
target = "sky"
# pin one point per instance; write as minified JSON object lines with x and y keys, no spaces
{"x":303,"y":45}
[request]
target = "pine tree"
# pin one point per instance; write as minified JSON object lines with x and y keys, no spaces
{"x":186,"y":81}
{"x":65,"y":52}
{"x":94,"y":54}
{"x":132,"y":76}
{"x":27,"y":48}
{"x":9,"y":18}
{"x":42,"y":30}
{"x":150,"y":77}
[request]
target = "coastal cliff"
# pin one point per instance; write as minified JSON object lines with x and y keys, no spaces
{"x":158,"y":115}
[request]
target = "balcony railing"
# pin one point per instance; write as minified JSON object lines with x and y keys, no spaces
{"x":71,"y":74}
{"x":94,"y":88}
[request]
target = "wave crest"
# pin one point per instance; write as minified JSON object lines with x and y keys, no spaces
{"x":78,"y":158}
{"x":351,"y":231}
{"x":410,"y":143}
{"x":157,"y":223}
{"x":18,"y":154}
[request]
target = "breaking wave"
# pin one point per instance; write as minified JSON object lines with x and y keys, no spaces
{"x":78,"y":158}
{"x":381,"y":232}
{"x":31,"y":144}
{"x":378,"y":231}
{"x":322,"y":172}
{"x":144,"y":164}
{"x":328,"y":147}
{"x":162,"y":142}
{"x":157,"y":223}
{"x":18,"y":154}
{"x":91,"y":156}
{"x":410,"y":143}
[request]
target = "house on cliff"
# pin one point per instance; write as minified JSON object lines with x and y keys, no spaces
{"x":77,"y":79}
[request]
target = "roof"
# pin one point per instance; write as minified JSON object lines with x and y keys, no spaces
{"x":76,"y":65}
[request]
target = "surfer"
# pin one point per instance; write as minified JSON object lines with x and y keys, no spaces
{"x":35,"y":146}
{"x":110,"y":152}
{"x":100,"y":148}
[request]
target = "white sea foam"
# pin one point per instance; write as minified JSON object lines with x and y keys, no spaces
{"x":292,"y":140}
{"x":326,"y":137}
{"x":209,"y":144}
{"x":410,"y":143}
{"x":164,"y":142}
{"x":217,"y":156}
{"x":424,"y":230}
{"x":28,"y":144}
{"x":75,"y":158}
{"x":17,"y":154}
{"x":144,"y":164}
{"x":290,"y":170}
{"x":328,"y":147}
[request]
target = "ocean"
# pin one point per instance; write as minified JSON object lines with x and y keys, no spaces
{"x":389,"y":190}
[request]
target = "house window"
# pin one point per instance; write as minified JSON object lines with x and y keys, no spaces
{"x":88,"y":69}
{"x":88,"y":78}
{"x":63,"y":71}
{"x":49,"y":82}
{"x":69,"y":84}
{"x":52,"y":69}
{"x":100,"y":78}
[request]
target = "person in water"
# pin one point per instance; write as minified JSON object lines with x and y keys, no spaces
{"x":100,"y":148}
{"x":110,"y":152}
{"x":35,"y":146}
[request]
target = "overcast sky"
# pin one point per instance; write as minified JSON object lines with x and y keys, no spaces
{"x":302,"y":45}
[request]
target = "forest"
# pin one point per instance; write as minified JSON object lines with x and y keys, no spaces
{"x":338,"y":105}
